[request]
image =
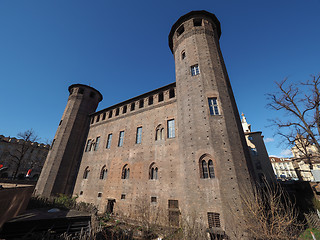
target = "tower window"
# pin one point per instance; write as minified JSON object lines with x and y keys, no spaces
{"x":213,"y":106}
{"x":99,"y":195}
{"x":110,"y":114}
{"x":104,"y":172}
{"x":197,"y":22}
{"x":88,"y":145}
{"x":98,"y":118}
{"x":109,"y":140}
{"x":171,"y":129}
{"x":104,"y":116}
{"x":153,"y":172}
{"x":183,"y":55}
{"x":180,"y":30}
{"x":125,"y":172}
{"x":117,"y":111}
{"x":195,"y":70}
{"x":121,"y":136}
{"x":139,"y":133}
{"x":150,"y":100}
{"x":92,"y":119}
{"x":132,"y":106}
{"x":124,"y":109}
{"x":141,"y":103}
{"x":214,"y":220}
{"x":160,"y":97}
{"x":86,"y":173}
{"x":171,"y":93}
{"x":206,"y":168}
{"x":123,"y":196}
{"x":97,"y":144}
{"x":153,"y":199}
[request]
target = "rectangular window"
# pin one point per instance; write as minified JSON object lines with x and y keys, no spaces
{"x":132,"y":106}
{"x":121,"y":136}
{"x":97,"y":144}
{"x":150,"y":101}
{"x":98,"y":118}
{"x":214,"y":220}
{"x":154,"y":199}
{"x":110,"y":114}
{"x":123,"y":196}
{"x":88,"y":145}
{"x":117,"y":111}
{"x":195,"y":70}
{"x":160,"y":97}
{"x":173,"y":204}
{"x":124,"y":109}
{"x":104,"y":116}
{"x":109,"y":140}
{"x":139,"y":133}
{"x":171,"y":130}
{"x":141,"y":103}
{"x":213,"y":106}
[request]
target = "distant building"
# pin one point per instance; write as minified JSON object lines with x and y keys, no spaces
{"x":283,"y":168}
{"x":306,"y":159}
{"x":258,"y":153}
{"x":31,"y":163}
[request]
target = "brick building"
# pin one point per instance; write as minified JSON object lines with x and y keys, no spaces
{"x":33,"y":158}
{"x":180,"y":148}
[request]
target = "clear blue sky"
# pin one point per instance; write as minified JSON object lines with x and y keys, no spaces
{"x":121,"y":49}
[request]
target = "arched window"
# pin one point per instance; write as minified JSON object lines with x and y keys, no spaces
{"x":159,"y":133}
{"x":211,"y":169}
{"x":103,"y":173}
{"x":206,"y":167}
{"x":125,"y":172}
{"x":153,"y":172}
{"x":86,"y":173}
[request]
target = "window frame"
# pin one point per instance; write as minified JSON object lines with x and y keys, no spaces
{"x":109,"y":139}
{"x":121,"y":139}
{"x":213,"y":106}
{"x":139,"y":135}
{"x":96,"y":145}
{"x":195,"y":70}
{"x":171,"y":132}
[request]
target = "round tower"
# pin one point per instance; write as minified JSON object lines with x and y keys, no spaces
{"x":61,"y":166}
{"x":214,"y":159}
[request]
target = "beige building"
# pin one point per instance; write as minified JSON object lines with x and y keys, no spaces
{"x":179,"y":149}
{"x":306,"y":159}
{"x":284,"y":168}
{"x":10,"y":156}
{"x":258,"y":154}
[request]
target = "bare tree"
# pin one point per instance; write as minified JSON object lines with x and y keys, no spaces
{"x":271,"y":215}
{"x":300,"y":103}
{"x":19,"y":153}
